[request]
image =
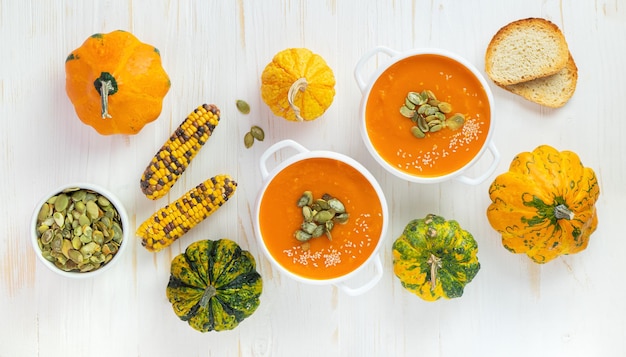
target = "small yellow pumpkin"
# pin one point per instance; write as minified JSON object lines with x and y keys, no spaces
{"x":298,"y":85}
{"x":544,"y":206}
{"x":116,"y":83}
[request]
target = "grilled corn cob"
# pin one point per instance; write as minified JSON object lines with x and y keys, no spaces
{"x":178,"y":151}
{"x":177,"y":218}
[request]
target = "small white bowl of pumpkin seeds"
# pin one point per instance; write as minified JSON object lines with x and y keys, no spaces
{"x":79,"y":230}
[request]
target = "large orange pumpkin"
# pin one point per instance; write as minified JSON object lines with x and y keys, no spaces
{"x":116,"y":83}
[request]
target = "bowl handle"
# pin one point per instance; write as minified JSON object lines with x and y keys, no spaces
{"x":378,"y":265}
{"x":357,"y":70}
{"x":490,"y":170}
{"x":288,"y":143}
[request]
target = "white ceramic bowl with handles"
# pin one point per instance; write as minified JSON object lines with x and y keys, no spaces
{"x":344,"y":281}
{"x":366,"y":85}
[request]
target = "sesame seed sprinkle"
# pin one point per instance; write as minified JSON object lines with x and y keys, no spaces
{"x":332,"y":255}
{"x":460,"y":140}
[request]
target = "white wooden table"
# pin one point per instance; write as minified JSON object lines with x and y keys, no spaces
{"x":214,"y":52}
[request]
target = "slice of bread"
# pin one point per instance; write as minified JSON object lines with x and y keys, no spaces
{"x":551,"y":91}
{"x":524,"y":50}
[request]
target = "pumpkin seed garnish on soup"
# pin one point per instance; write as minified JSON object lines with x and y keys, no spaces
{"x":429,"y":114}
{"x":320,"y":216}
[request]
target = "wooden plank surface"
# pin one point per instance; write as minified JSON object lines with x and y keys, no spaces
{"x":214,"y":52}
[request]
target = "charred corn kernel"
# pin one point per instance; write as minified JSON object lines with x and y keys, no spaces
{"x":177,"y":218}
{"x":178,"y":151}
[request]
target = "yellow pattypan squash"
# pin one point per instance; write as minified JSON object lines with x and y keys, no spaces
{"x":298,"y":85}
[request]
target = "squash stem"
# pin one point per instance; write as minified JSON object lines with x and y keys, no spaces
{"x":435,"y":264}
{"x":561,"y":211}
{"x":105,"y":87}
{"x":209,"y":292}
{"x":299,"y":85}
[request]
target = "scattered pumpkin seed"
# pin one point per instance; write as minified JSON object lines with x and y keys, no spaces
{"x":243,"y":106}
{"x":257,"y":133}
{"x":71,"y":230}
{"x":248,"y":140}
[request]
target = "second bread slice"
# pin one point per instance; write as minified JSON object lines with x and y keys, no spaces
{"x":551,"y":91}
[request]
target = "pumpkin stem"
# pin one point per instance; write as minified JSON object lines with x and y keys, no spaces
{"x":106,"y":85}
{"x":299,"y":85}
{"x":209,"y":292}
{"x":435,"y":264}
{"x":561,"y":211}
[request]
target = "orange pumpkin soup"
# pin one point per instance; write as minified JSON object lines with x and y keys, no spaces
{"x":438,"y":153}
{"x":352,"y":243}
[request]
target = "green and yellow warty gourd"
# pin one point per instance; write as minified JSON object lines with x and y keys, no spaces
{"x":214,"y":285}
{"x":435,"y":258}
